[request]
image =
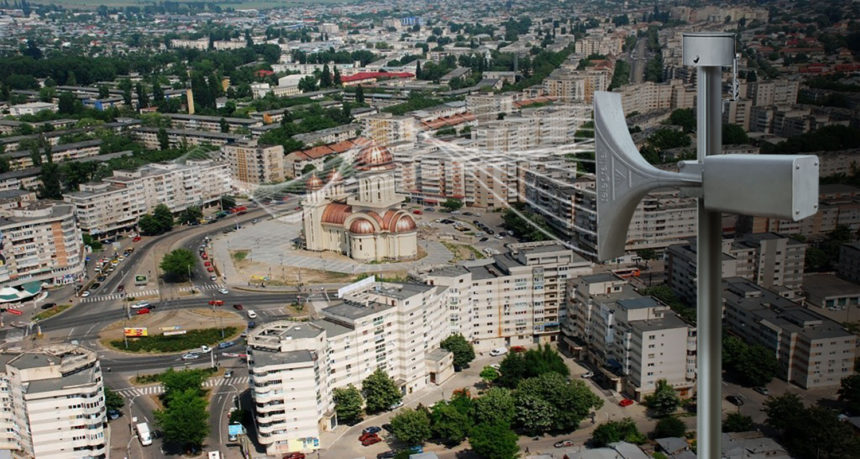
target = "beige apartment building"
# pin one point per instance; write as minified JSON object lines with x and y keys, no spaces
{"x":576,"y":86}
{"x":253,"y":164}
{"x":53,"y":403}
{"x":178,"y":137}
{"x":210,"y":123}
{"x":39,"y":241}
{"x":634,"y":341}
{"x":813,"y":351}
{"x":385,"y":128}
{"x":295,"y":366}
{"x":513,"y":299}
{"x":773,"y":92}
{"x":115,"y":204}
{"x":649,"y":96}
{"x":487,"y":107}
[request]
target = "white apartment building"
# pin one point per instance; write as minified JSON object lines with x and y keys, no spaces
{"x":53,"y":404}
{"x":385,"y":128}
{"x":115,"y":204}
{"x":513,"y":299}
{"x":210,"y":123}
{"x":181,"y":137}
{"x":253,"y":164}
{"x":773,"y":92}
{"x":649,"y":96}
{"x":633,"y":340}
{"x":576,"y":86}
{"x":529,"y":129}
{"x":31,"y":108}
{"x":295,"y":366}
{"x":812,"y":350}
{"x":39,"y":241}
{"x":487,"y":107}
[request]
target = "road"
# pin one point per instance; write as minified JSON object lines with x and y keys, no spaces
{"x":638,"y":59}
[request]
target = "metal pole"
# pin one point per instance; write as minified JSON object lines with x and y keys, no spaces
{"x":709,"y":304}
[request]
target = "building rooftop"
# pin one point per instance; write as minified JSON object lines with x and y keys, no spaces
{"x":268,"y":358}
{"x":827,"y":286}
{"x":637,"y":303}
{"x":667,"y":322}
{"x":354,"y":311}
{"x":80,"y":378}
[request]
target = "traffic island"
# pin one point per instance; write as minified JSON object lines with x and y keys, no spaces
{"x":172,"y":331}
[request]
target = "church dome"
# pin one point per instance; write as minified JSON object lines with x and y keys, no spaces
{"x":336,"y":213}
{"x":374,"y":157}
{"x":404,"y":224}
{"x":314,"y":183}
{"x":361,"y":226}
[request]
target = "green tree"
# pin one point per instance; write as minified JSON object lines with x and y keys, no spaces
{"x":148,"y":225}
{"x":534,"y":362}
{"x":92,"y":242}
{"x":192,"y":214}
{"x":142,"y":96}
{"x":614,"y":431}
{"x":448,"y":423}
{"x":533,"y":414}
{"x":50,"y":178}
{"x":104,"y":91}
{"x":177,"y":264}
{"x":670,"y":426}
{"x":494,"y":440}
{"x":347,"y":404}
{"x":571,"y":400}
{"x":125,"y":85}
{"x":810,"y":432}
{"x":784,"y":411}
{"x":227,"y":202}
{"x":849,"y":392}
{"x":497,"y":404}
{"x":664,"y":401}
{"x":308,"y":84}
{"x":452,"y":204}
{"x":359,"y":94}
{"x":411,"y":427}
{"x":325,"y":77}
{"x":489,"y":374}
{"x":157,"y":92}
{"x":734,"y":135}
{"x":179,"y":381}
{"x":754,"y":365}
{"x":736,"y":422}
{"x":185,"y":420}
{"x":463,"y":351}
{"x":164,"y":217}
{"x":163,"y":139}
{"x":225,"y":127}
{"x":308,"y":169}
{"x":68,"y":103}
{"x":685,"y":118}
{"x":47,"y":94}
{"x":113,"y":401}
{"x":380,"y":392}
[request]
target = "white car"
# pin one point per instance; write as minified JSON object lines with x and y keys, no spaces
{"x":190,"y":356}
{"x":139,"y":305}
{"x":587,"y":375}
{"x":204,"y":349}
{"x":85,"y":294}
{"x":223,"y":291}
{"x":252,"y":314}
{"x":499,"y":351}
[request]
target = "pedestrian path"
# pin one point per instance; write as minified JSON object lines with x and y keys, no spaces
{"x":148,"y":292}
{"x":156,"y":389}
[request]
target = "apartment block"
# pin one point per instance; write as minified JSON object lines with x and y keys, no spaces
{"x":529,"y":129}
{"x":210,"y":123}
{"x":253,"y":164}
{"x":773,"y":92}
{"x":39,"y":241}
{"x":576,"y":86}
{"x":53,"y":403}
{"x":812,"y":350}
{"x":295,"y":366}
{"x":515,"y":298}
{"x":550,"y":192}
{"x":23,"y":159}
{"x":838,"y":205}
{"x":849,"y":262}
{"x":487,"y":107}
{"x":385,"y":128}
{"x":773,"y":261}
{"x":830,"y":293}
{"x":649,"y":96}
{"x":178,"y":137}
{"x":738,"y":112}
{"x":634,"y":341}
{"x":116,"y":203}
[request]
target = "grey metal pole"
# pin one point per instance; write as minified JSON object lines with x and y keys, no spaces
{"x":709,"y":304}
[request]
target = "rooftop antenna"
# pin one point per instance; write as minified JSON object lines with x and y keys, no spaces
{"x":781,"y":186}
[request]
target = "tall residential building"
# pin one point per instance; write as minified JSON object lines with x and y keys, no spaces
{"x":649,"y":96}
{"x":772,"y":261}
{"x":39,"y":241}
{"x":295,"y":366}
{"x":633,"y":340}
{"x":812,"y":350}
{"x":115,"y":204}
{"x":513,"y":299}
{"x":488,"y":107}
{"x":576,"y":86}
{"x":530,"y":129}
{"x":773,"y":92}
{"x":385,"y":128}
{"x":550,"y":192}
{"x":849,"y":262}
{"x":53,"y":403}
{"x":838,"y":205}
{"x":253,"y":164}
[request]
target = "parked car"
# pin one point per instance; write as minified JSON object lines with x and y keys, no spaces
{"x":417,"y":212}
{"x":223,"y":291}
{"x":761,"y":390}
{"x":252,"y":314}
{"x":190,"y":356}
{"x":737,"y":400}
{"x":85,"y":294}
{"x":252,"y":324}
{"x":237,"y":307}
{"x":142,"y":311}
{"x":228,"y":374}
{"x":48,"y":305}
{"x":587,"y":375}
{"x":498,"y":351}
{"x":120,"y":288}
{"x":95,"y":285}
{"x":371,"y":440}
{"x":396,"y":405}
{"x":386,"y":455}
{"x":136,"y":239}
{"x":563,"y":443}
{"x":518,"y":349}
{"x":387,"y":428}
{"x":484,"y":239}
{"x":204,"y":256}
{"x":294,"y":456}
{"x":207,"y":263}
{"x":625,"y":402}
{"x":225,"y":344}
{"x":210,"y":269}
{"x":213,"y":278}
{"x":366,"y":435}
{"x":113,"y":414}
{"x":204,"y":348}
{"x":372,"y":430}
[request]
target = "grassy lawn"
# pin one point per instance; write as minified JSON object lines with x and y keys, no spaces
{"x":156,"y":377}
{"x":51,"y":312}
{"x":462,"y":251}
{"x":177,"y":343}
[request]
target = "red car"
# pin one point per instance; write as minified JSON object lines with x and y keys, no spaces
{"x":518,"y":349}
{"x":210,"y":269}
{"x":294,"y":456}
{"x":417,"y":212}
{"x":204,"y":256}
{"x":207,"y":263}
{"x":216,"y":302}
{"x":366,"y":435}
{"x":237,"y":307}
{"x":136,"y":239}
{"x":625,"y":402}
{"x":143,"y":311}
{"x":370,"y":440}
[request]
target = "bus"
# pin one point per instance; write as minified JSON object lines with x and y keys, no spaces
{"x":627,"y":273}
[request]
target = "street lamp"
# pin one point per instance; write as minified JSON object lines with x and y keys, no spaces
{"x":780,"y":186}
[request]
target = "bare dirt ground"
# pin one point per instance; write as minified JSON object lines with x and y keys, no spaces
{"x":288,"y":275}
{"x":188,"y":319}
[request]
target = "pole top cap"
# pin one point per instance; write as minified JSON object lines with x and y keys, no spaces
{"x":709,"y":49}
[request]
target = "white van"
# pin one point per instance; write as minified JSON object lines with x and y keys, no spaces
{"x":143,"y":434}
{"x":252,"y":314}
{"x":140,"y":305}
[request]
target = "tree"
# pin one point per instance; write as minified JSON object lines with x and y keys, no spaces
{"x":157,"y":92}
{"x":47,"y":94}
{"x":462,"y":350}
{"x":497,"y":404}
{"x":494,"y":440}
{"x":489,"y":374}
{"x":227,"y":202}
{"x":418,"y":70}
{"x":163,"y":139}
{"x":185,"y":420}
{"x":347,"y":404}
{"x":571,"y":400}
{"x":452,"y":204}
{"x":411,"y":427}
{"x":534,"y":414}
{"x":164,"y":217}
{"x":849,"y":392}
{"x":664,"y":401}
{"x":784,"y":412}
{"x":308,"y":84}
{"x":177,"y":264}
{"x":359,"y":94}
{"x":614,"y":431}
{"x":142,"y":96}
{"x":754,"y":365}
{"x":191,"y":215}
{"x":685,"y":118}
{"x":104,"y":92}
{"x":734,"y":135}
{"x":449,"y":424}
{"x":125,"y":86}
{"x":176,"y":382}
{"x":68,"y":103}
{"x":736,"y":422}
{"x":810,"y":432}
{"x":50,"y":177}
{"x":325,"y":77}
{"x":113,"y":401}
{"x":670,"y":426}
{"x":336,"y":77}
{"x":380,"y":392}
{"x":534,"y":362}
{"x":148,"y":225}
{"x":225,"y":127}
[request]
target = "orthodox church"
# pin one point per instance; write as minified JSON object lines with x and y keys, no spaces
{"x":366,"y":226}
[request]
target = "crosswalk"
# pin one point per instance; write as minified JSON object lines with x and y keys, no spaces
{"x":147,"y":293}
{"x":156,"y":389}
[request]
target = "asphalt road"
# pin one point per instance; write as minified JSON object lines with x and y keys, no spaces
{"x":637,"y":71}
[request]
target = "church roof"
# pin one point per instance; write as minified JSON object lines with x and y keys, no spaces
{"x":336,"y":213}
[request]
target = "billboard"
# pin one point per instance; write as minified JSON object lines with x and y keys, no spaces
{"x":174,"y":332}
{"x":366,"y":282}
{"x":134,"y":332}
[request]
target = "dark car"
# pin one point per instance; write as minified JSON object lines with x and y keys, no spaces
{"x":484,"y":239}
{"x":490,"y":231}
{"x":252,"y":324}
{"x":386,"y":455}
{"x":387,"y":428}
{"x":737,"y":400}
{"x":225,"y":344}
{"x":95,"y":285}
{"x":237,"y":307}
{"x":371,"y":430}
{"x":48,"y":305}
